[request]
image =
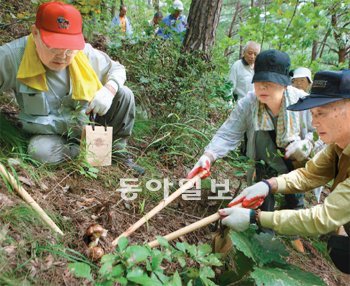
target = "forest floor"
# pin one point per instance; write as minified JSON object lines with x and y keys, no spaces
{"x":67,"y":193}
{"x":81,"y":202}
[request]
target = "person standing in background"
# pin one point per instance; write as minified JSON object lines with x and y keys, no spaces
{"x":301,"y":79}
{"x":175,"y":23}
{"x":122,"y":21}
{"x":242,"y":71}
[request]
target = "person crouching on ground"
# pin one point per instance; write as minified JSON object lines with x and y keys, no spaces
{"x":58,"y":80}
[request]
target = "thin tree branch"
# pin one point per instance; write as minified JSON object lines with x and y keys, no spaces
{"x":229,"y":34}
{"x":290,"y":22}
{"x":323,"y":43}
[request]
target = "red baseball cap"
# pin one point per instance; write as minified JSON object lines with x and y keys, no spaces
{"x":60,"y":26}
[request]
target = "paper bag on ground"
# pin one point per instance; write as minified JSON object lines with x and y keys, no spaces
{"x":97,"y":141}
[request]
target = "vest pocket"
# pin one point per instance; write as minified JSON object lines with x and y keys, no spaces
{"x":35,"y":104}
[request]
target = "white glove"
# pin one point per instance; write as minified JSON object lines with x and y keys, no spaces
{"x":253,"y":196}
{"x":204,"y":163}
{"x":236,"y":218}
{"x":299,"y":150}
{"x":101,"y":102}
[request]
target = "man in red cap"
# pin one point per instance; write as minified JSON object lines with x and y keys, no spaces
{"x":329,"y":102}
{"x":59,"y":80}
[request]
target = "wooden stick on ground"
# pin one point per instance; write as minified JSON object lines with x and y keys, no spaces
{"x":29,"y":200}
{"x":159,"y":207}
{"x":190,"y":228}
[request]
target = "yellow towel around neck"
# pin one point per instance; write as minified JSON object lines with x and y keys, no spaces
{"x":32,"y":73}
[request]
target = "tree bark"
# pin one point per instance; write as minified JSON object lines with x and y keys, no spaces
{"x":338,"y":38}
{"x":341,"y":55}
{"x":203,"y":20}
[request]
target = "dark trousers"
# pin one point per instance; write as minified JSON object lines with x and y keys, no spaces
{"x":292,"y":201}
{"x":339,"y":251}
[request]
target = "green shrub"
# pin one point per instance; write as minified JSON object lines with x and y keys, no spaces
{"x":183,"y":264}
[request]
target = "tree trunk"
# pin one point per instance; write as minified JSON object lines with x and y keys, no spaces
{"x":341,"y":55}
{"x":338,"y":38}
{"x":203,"y":20}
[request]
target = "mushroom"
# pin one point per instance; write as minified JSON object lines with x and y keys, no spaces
{"x":96,"y":230}
{"x":95,"y":253}
{"x":93,"y":234}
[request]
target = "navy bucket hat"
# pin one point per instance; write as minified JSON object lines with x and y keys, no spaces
{"x":328,"y":87}
{"x":272,"y":66}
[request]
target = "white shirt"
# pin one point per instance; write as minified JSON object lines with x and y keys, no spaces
{"x":241,"y":77}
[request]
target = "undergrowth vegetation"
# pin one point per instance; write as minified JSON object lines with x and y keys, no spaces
{"x":183,"y":264}
{"x":181,"y":101}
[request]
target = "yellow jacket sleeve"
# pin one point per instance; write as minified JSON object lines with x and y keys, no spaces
{"x":317,"y":172}
{"x":320,"y":219}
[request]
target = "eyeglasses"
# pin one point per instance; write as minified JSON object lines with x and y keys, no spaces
{"x":56,"y":51}
{"x":66,"y":52}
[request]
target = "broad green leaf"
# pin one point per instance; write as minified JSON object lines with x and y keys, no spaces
{"x":208,"y":282}
{"x":214,"y":260}
{"x":160,"y":275}
{"x":156,"y":261}
{"x":148,"y":266}
{"x":268,"y":249}
{"x":122,"y":243}
{"x":192,"y":273}
{"x":182,"y":261}
{"x":180,"y":246}
{"x":162,"y":241}
{"x":80,"y":270}
{"x":204,"y":249}
{"x":108,"y":258}
{"x":117,"y":271}
{"x":138,"y":276}
{"x":175,"y":281}
{"x":122,"y":280}
{"x":206,"y":272}
{"x":291,"y":276}
{"x":136,"y":254}
{"x":106,"y":268}
{"x":241,"y":241}
{"x":191,"y":249}
{"x":263,"y":248}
